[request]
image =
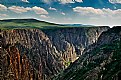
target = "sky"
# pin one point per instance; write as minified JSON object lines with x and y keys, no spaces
{"x":91,"y":12}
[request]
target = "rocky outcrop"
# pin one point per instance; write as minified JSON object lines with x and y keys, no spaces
{"x":100,"y":61}
{"x":38,"y":49}
{"x":71,"y":42}
{"x":46,"y":52}
{"x":13,"y":66}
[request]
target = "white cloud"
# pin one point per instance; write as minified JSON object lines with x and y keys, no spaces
{"x":92,"y":12}
{"x":54,"y":9}
{"x":115,"y":1}
{"x":18,"y":9}
{"x":2,"y":7}
{"x":87,"y":11}
{"x":78,"y":0}
{"x":3,"y":15}
{"x":62,"y":1}
{"x":44,"y":16}
{"x":69,"y":1}
{"x":63,"y":13}
{"x":66,"y":1}
{"x":25,"y":1}
{"x":39,"y":10}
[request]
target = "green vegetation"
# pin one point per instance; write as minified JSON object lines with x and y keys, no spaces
{"x":29,"y":23}
{"x":67,"y":63}
{"x":112,"y":64}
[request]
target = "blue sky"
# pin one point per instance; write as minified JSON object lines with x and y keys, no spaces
{"x":93,"y":12}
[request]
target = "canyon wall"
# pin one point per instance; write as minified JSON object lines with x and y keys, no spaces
{"x":100,"y":61}
{"x":46,"y":52}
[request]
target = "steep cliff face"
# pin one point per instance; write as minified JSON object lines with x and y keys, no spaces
{"x":14,"y":67}
{"x":47,"y":51}
{"x":38,"y":48}
{"x":101,"y":60}
{"x":70,"y":42}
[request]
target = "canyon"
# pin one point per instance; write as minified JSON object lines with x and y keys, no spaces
{"x":40,"y":54}
{"x":38,"y":50}
{"x":100,"y":61}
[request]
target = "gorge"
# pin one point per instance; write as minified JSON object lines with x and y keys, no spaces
{"x":69,"y":53}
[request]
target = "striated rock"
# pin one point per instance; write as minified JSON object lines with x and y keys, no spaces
{"x":35,"y":54}
{"x":71,"y":42}
{"x":15,"y":67}
{"x":100,"y":61}
{"x":38,"y":48}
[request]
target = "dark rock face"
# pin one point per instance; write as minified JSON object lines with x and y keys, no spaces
{"x":45,"y":52}
{"x":38,"y":48}
{"x":71,"y":42}
{"x":13,"y":66}
{"x":100,"y":61}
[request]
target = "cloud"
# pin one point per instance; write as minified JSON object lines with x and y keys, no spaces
{"x":89,"y":15}
{"x":61,"y":1}
{"x":54,"y":9}
{"x":39,"y":10}
{"x":18,"y":9}
{"x":66,"y":1}
{"x":63,"y":13}
{"x":44,"y":16}
{"x":25,"y":1}
{"x":78,"y":0}
{"x":115,"y":1}
{"x":69,"y":1}
{"x":3,"y":15}
{"x":87,"y":11}
{"x":96,"y":13}
{"x":2,"y":7}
